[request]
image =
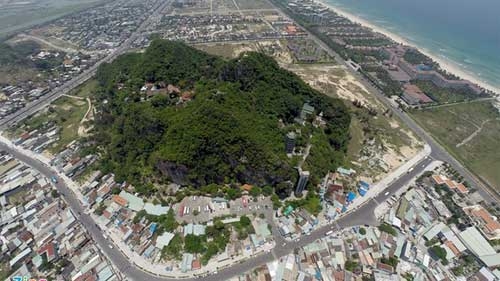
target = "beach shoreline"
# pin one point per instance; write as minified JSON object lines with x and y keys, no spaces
{"x":446,"y":65}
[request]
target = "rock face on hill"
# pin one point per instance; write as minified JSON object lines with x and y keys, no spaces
{"x":174,"y":113}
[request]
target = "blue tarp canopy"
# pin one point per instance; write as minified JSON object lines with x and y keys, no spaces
{"x":350,"y":196}
{"x":152,"y":227}
{"x":364,"y":184}
{"x":362,"y":191}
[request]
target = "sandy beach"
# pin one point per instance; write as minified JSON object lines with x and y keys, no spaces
{"x":445,"y":64}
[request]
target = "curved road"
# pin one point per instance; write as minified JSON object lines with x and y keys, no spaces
{"x":32,"y":107}
{"x":361,"y":216}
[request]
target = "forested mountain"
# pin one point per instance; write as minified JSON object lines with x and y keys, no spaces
{"x":17,"y":55}
{"x":207,"y":120}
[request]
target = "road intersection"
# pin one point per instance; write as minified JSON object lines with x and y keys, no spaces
{"x":361,"y":215}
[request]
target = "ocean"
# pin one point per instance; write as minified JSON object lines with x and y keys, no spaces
{"x":464,"y":33}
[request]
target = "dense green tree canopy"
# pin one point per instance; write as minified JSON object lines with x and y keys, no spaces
{"x":228,"y":133}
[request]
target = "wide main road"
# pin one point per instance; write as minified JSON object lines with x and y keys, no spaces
{"x":438,"y":151}
{"x":360,"y":216}
{"x":32,"y":107}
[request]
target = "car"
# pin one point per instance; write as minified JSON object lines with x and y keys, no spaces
{"x":105,"y":236}
{"x":387,"y":193}
{"x":110,"y":246}
{"x":53,"y":179}
{"x":329,"y":233}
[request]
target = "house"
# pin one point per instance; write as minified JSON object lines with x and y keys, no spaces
{"x":487,"y":223}
{"x":49,"y":250}
{"x":246,"y":187}
{"x":413,"y":95}
{"x":120,"y":200}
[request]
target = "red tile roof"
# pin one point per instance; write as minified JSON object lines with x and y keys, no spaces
{"x":438,"y":179}
{"x":461,"y":187}
{"x":120,"y":200}
{"x":196,"y":264}
{"x":49,"y":249}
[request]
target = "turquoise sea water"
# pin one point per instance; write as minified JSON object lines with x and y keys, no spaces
{"x":464,"y":32}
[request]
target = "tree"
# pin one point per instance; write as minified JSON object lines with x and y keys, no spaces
{"x":392,"y":261}
{"x":218,"y":224}
{"x":267,"y":190}
{"x":245,"y":221}
{"x":99,"y":209}
{"x":362,"y":231}
{"x":173,"y":249}
{"x":194,"y":244}
{"x":210,"y":189}
{"x":227,"y":134}
{"x":168,"y":221}
{"x":387,"y":229}
{"x":139,"y":216}
{"x":276,"y":202}
{"x":350,"y":265}
{"x":255,"y":191}
{"x":233,"y":193}
{"x":54,"y":193}
{"x":212,"y":250}
{"x":115,"y":190}
{"x":439,"y":253}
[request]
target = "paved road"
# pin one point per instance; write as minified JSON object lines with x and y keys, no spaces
{"x":45,"y":100}
{"x":438,"y":151}
{"x":361,"y":216}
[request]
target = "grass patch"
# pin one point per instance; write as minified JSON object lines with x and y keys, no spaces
{"x":226,"y":50}
{"x":254,"y":4}
{"x":452,"y":124}
{"x":85,"y":90}
{"x":66,"y":112}
{"x":356,"y":141}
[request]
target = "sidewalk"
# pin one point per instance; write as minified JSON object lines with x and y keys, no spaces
{"x":159,"y":268}
{"x":141,"y":262}
{"x":69,"y":182}
{"x":380,"y":186}
{"x":381,"y":209}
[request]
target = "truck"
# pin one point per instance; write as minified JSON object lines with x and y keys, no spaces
{"x":330,"y":232}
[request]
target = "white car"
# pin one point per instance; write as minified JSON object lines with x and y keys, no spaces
{"x":387,"y":193}
{"x":110,"y":246}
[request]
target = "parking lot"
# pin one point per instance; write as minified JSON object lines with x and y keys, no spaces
{"x":198,"y":209}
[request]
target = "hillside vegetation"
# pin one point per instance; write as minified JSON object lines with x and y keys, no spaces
{"x":18,"y":54}
{"x":228,"y":132}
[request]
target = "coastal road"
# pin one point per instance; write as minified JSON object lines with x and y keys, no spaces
{"x":360,"y":216}
{"x":34,"y":106}
{"x":438,"y":152}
